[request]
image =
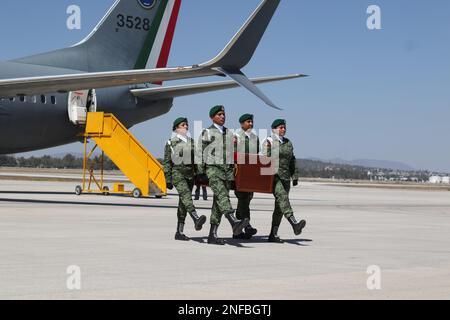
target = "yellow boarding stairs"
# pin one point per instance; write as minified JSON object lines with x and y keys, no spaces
{"x":127,"y":153}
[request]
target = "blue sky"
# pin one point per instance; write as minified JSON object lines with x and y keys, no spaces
{"x":380,"y":94}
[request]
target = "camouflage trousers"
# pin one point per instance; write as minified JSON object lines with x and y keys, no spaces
{"x":282,"y":204}
{"x":221,"y":200}
{"x":243,"y":206}
{"x":184,"y":187}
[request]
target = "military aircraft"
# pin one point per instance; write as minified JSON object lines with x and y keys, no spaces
{"x":118,"y":68}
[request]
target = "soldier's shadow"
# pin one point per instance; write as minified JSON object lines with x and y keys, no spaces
{"x":257,"y":239}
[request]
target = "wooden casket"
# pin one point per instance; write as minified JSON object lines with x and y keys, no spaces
{"x":253,"y":173}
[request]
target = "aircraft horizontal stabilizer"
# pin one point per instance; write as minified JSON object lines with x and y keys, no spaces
{"x":245,"y":82}
{"x":96,"y":80}
{"x":191,"y":89}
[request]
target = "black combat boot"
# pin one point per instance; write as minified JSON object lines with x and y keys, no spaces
{"x":237,"y":225}
{"x":273,"y":237}
{"x":198,"y":221}
{"x":242,"y":236}
{"x":249,"y":230}
{"x":248,"y":233}
{"x":180,"y":235}
{"x":213,"y":239}
{"x":297,"y":226}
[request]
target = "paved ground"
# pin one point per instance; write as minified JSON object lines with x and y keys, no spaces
{"x":125,"y":246}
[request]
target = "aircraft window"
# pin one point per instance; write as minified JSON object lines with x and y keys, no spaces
{"x":43,"y":99}
{"x":34,"y":99}
{"x":12,"y":99}
{"x":53,"y":99}
{"x":22,"y":98}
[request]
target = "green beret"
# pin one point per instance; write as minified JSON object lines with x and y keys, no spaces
{"x":215,"y":110}
{"x":245,"y":117}
{"x":278,"y":123}
{"x":179,"y":121}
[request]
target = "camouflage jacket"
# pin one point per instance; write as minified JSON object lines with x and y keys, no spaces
{"x":179,"y":159}
{"x":245,"y":144}
{"x":283,"y":155}
{"x":217,"y":153}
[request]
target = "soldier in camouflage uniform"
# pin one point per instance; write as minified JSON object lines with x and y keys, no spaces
{"x":180,"y":171}
{"x":246,"y":141}
{"x":282,"y":151}
{"x":218,"y":165}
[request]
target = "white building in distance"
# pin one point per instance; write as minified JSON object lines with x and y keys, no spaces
{"x":439,"y":179}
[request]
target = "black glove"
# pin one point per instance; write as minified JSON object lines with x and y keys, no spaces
{"x":169,"y":186}
{"x":295,"y":183}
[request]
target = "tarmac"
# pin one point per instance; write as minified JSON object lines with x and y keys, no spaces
{"x":123,"y":248}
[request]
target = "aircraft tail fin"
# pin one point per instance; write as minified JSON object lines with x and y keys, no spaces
{"x":134,"y":34}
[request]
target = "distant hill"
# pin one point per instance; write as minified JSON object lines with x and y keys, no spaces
{"x":326,"y":169}
{"x":62,"y":155}
{"x":370,"y":163}
{"x":331,"y":169}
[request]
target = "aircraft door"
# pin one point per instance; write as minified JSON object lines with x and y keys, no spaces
{"x":80,"y":103}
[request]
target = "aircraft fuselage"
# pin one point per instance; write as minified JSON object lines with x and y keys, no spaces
{"x":36,"y":122}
